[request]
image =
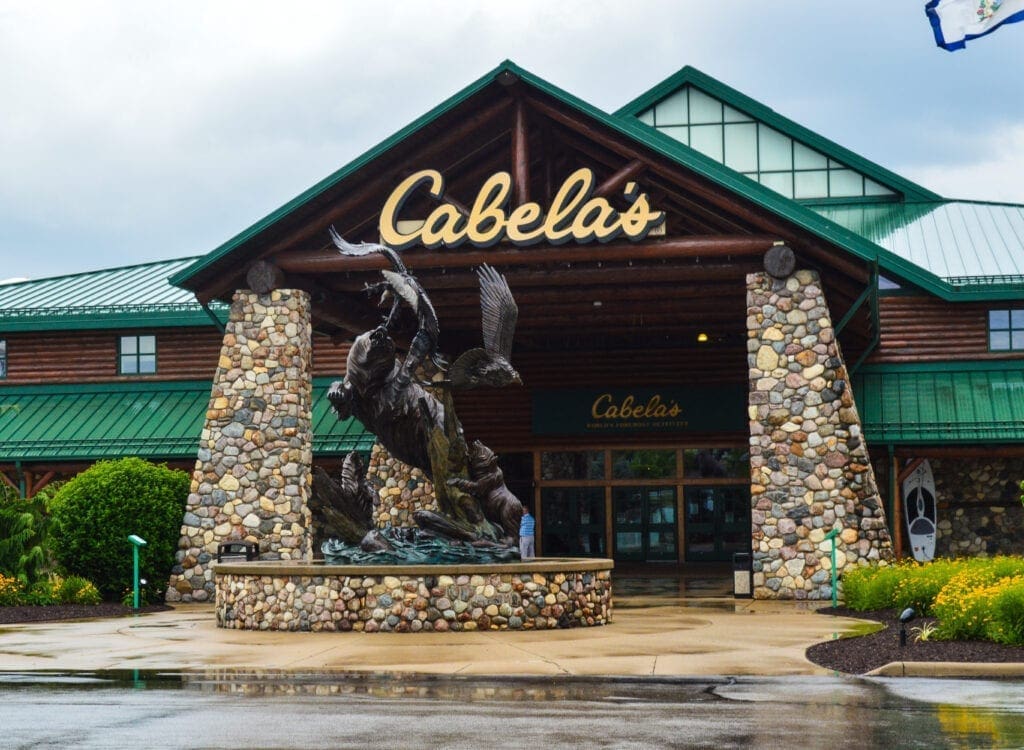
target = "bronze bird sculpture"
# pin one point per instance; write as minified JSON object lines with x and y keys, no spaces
{"x":490,"y":366}
{"x":404,"y":287}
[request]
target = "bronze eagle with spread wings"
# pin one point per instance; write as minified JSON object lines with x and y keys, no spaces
{"x":491,"y":365}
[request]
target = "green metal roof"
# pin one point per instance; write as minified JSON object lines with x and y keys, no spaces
{"x":960,"y":402}
{"x":665,"y":146}
{"x":153,"y":420}
{"x":690,"y":76}
{"x":967,"y":244}
{"x":114,"y":297}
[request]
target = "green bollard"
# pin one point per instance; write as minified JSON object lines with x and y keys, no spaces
{"x":835,"y":574}
{"x":138,"y":541}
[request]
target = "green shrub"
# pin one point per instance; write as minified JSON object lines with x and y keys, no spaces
{"x":75,"y":590}
{"x":966,"y":605}
{"x":871,"y":587}
{"x":11,"y":591}
{"x":1007,"y":624}
{"x":47,"y":591}
{"x":24,"y":526}
{"x":920,"y":584}
{"x":94,"y":513}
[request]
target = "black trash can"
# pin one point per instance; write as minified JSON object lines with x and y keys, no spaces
{"x":237,"y":551}
{"x":742,"y":576}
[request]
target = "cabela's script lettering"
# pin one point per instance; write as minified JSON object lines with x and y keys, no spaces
{"x":604,"y":407}
{"x":574,"y":215}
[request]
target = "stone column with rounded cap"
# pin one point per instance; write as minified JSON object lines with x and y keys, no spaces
{"x":253,"y":470}
{"x":809,"y":464}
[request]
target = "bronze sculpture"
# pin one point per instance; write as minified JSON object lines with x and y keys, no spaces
{"x":416,"y":421}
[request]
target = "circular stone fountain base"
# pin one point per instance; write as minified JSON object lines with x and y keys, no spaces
{"x":532,"y":595}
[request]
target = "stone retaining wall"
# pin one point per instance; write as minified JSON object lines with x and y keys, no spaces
{"x":809,"y":467}
{"x":342,"y":598}
{"x":979,"y":511}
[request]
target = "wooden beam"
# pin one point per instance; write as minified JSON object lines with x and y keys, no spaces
{"x":897,"y":511}
{"x":9,"y":482}
{"x":629,"y":172}
{"x":714,"y":246}
{"x":41,"y":483}
{"x":581,"y":276}
{"x":520,"y":155}
{"x":907,"y":470}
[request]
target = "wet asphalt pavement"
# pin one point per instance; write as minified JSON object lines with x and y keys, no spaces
{"x":246,"y":709}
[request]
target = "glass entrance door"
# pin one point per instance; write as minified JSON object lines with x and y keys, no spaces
{"x":573,"y":519}
{"x":717,"y":522}
{"x":645,"y":523}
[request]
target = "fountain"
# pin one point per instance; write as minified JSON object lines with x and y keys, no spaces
{"x":458,"y":569}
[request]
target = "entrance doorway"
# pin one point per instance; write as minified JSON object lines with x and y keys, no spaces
{"x":645,"y":523}
{"x":573,"y":521}
{"x":637,"y":504}
{"x":717,"y":522}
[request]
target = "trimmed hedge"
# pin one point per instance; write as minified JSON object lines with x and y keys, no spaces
{"x":94,"y":513}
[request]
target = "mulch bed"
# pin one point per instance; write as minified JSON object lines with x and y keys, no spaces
{"x":9,"y":615}
{"x":861,"y":654}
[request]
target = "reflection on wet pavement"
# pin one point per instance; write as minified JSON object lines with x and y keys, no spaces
{"x":128,"y":708}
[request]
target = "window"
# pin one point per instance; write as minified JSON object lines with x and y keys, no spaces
{"x":3,"y":358}
{"x":1006,"y":330}
{"x":137,"y":355}
{"x":755,"y":149}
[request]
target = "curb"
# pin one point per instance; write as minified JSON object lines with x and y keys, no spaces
{"x":948,"y":669}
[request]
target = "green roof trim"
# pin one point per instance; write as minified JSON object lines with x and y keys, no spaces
{"x":662,"y":145}
{"x":151,"y":419}
{"x":948,"y":402}
{"x":105,"y":317}
{"x":690,"y":76}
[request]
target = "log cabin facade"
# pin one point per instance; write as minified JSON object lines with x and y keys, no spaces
{"x":925,"y":296}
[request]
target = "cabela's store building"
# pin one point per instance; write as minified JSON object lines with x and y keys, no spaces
{"x":734,"y":336}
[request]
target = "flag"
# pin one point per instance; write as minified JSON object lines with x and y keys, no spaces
{"x":955,"y":22}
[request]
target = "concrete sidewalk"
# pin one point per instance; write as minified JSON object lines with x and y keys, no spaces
{"x":649,"y":636}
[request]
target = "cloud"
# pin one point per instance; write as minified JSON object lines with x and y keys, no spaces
{"x":993,"y":174}
{"x":140,"y":131}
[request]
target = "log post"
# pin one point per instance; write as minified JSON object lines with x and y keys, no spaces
{"x":520,"y":155}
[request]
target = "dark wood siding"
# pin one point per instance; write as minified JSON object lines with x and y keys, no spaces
{"x":91,"y":356}
{"x":921,"y":329}
{"x":329,"y":359}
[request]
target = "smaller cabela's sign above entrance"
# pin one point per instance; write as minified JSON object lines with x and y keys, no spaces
{"x":575,"y":214}
{"x":709,"y":408}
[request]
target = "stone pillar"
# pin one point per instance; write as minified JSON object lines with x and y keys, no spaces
{"x":809,"y":467}
{"x":401,"y":490}
{"x":252,"y":477}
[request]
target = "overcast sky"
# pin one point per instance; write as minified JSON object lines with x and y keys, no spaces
{"x":145,"y":131}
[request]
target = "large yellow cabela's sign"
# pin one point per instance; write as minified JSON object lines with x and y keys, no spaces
{"x":574,"y":215}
